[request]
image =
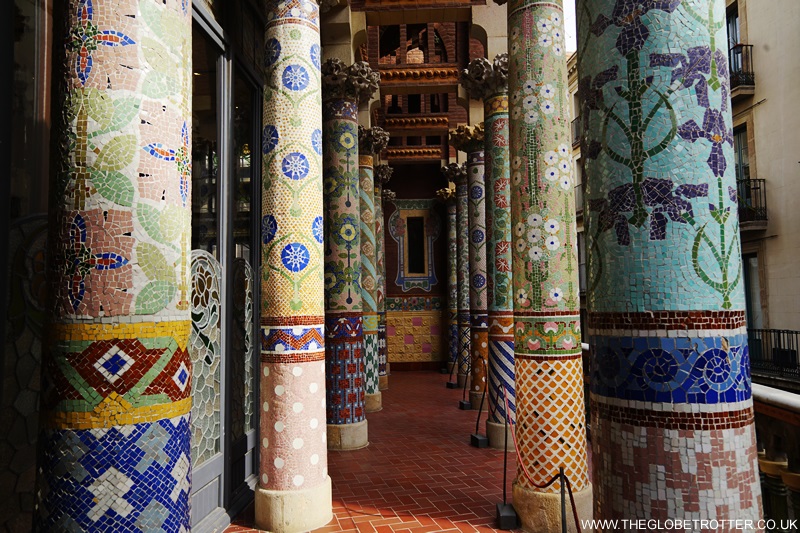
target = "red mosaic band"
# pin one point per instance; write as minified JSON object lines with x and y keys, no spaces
{"x":543,"y":314}
{"x":672,"y":419}
{"x":543,"y":358}
{"x":288,"y":358}
{"x":669,"y":320}
{"x":293,"y":321}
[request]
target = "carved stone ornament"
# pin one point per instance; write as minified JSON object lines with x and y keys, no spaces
{"x":447,"y":193}
{"x":327,"y":5}
{"x":455,"y":173}
{"x":467,"y":139}
{"x":482,"y":79}
{"x":372,"y":140}
{"x":383,"y":173}
{"x":389,"y":195}
{"x":356,"y":82}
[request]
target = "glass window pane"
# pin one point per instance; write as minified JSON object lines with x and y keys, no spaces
{"x":205,"y":155}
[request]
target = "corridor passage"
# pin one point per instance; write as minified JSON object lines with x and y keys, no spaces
{"x":419,"y":472}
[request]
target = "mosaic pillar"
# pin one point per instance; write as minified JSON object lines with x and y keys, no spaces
{"x":479,"y":320}
{"x":459,"y":174}
{"x":672,"y":414}
{"x":294,"y":489}
{"x":489,"y":82}
{"x":383,"y":173}
{"x":447,"y":195}
{"x":550,"y":423}
{"x":115,"y":443}
{"x":369,"y":141}
{"x":344,"y":346}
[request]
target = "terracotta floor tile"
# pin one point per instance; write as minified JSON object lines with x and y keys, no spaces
{"x":419,"y":474}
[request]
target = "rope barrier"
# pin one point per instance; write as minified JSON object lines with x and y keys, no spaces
{"x":528,"y":477}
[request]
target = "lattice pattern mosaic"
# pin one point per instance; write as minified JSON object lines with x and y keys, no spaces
{"x":663,"y":238}
{"x":292,"y":374}
{"x":117,"y":396}
{"x":550,"y":432}
{"x":380,"y":270}
{"x":414,"y":336}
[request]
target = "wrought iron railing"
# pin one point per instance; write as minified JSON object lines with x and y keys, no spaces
{"x":774,"y":352}
{"x":575,"y":126}
{"x":741,"y":65}
{"x":752,"y":194}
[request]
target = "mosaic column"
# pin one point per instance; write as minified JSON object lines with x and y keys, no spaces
{"x":459,"y":176}
{"x":448,"y":196}
{"x":383,"y":173}
{"x":294,"y":489}
{"x":115,"y":443}
{"x":370,"y":141}
{"x":672,"y":413}
{"x":550,"y":423}
{"x":344,"y":346}
{"x":489,"y":82}
{"x":471,"y":141}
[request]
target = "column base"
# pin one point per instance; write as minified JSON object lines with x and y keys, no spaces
{"x":496,"y":433}
{"x":475,"y":400}
{"x":348,"y":436}
{"x":540,"y":512}
{"x":462,"y":378}
{"x":294,"y":511}
{"x":373,"y":402}
{"x":383,"y":382}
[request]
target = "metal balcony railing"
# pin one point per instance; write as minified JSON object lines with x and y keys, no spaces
{"x":774,"y":353}
{"x":741,"y":66}
{"x":752,"y":195}
{"x":575,"y":126}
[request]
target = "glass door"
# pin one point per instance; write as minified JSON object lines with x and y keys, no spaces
{"x":244,"y":312}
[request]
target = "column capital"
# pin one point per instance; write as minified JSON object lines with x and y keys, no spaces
{"x":389,"y":195}
{"x":483,"y":79}
{"x":468,"y":139}
{"x":455,"y":173}
{"x":383,"y":173}
{"x":355,"y":82}
{"x":372,"y":140}
{"x":448,"y":193}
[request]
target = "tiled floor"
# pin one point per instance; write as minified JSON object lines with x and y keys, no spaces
{"x":419,"y":472}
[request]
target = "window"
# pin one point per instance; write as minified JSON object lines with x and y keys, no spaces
{"x":582,"y":262}
{"x":752,"y":291}
{"x":416,"y":245}
{"x":741,"y":156}
{"x":414,"y":103}
{"x":732,"y":22}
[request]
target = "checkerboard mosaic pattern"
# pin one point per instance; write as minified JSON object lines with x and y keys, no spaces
{"x":414,"y":336}
{"x":550,"y":417}
{"x":671,"y":398}
{"x":117,"y":396}
{"x":291,"y":407}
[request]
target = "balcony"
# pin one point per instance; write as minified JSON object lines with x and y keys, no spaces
{"x":743,"y":79}
{"x":773,"y":357}
{"x":575,"y":127}
{"x":752,"y":197}
{"x":777,"y":416}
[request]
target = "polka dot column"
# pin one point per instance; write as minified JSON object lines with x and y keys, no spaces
{"x":673,"y":432}
{"x":294,"y":489}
